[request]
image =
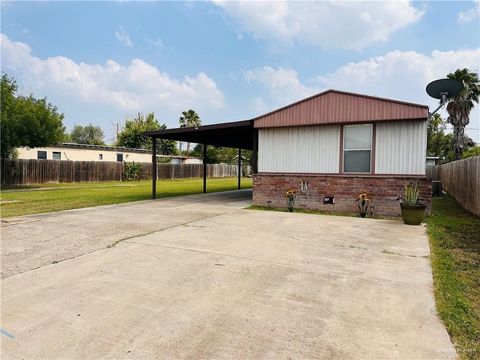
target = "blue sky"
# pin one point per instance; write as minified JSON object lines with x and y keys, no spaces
{"x":101,"y":62}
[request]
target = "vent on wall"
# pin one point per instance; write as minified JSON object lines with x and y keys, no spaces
{"x":329,"y":200}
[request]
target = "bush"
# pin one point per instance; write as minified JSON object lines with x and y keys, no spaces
{"x":132,"y":171}
{"x":474,"y":151}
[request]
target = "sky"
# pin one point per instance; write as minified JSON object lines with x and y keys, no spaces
{"x":104,"y":62}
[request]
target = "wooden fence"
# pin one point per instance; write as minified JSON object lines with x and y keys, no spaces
{"x":25,"y":172}
{"x":431,"y":172}
{"x":461,"y":179}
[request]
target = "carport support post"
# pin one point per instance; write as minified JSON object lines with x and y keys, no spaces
{"x":239,"y":168}
{"x":204,"y":168}
{"x":154,"y":167}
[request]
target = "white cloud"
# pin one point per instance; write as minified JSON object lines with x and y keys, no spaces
{"x":469,"y":15}
{"x":137,"y":86}
{"x":329,"y":24}
{"x":123,"y":37}
{"x":281,"y":85}
{"x":401,"y":75}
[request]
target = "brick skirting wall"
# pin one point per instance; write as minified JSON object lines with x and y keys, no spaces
{"x":269,"y":190}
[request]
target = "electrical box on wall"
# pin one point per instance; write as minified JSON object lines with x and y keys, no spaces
{"x":328,"y":200}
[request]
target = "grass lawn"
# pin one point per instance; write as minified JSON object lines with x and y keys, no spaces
{"x":455,"y":246}
{"x":54,"y":197}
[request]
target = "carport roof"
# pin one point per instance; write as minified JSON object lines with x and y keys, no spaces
{"x":237,"y":134}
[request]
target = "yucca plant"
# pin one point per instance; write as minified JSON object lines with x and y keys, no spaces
{"x":411,"y":194}
{"x":412,"y":211}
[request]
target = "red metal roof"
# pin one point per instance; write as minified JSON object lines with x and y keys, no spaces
{"x":337,"y":107}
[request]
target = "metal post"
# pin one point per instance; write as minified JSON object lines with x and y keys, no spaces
{"x":204,"y":168}
{"x":255,"y":152}
{"x":239,"y":168}
{"x":154,"y":167}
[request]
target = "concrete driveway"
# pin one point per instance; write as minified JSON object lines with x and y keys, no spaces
{"x":200,"y":277}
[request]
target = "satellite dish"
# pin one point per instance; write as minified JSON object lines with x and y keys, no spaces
{"x":444,"y":89}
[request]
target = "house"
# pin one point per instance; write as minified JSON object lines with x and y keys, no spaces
{"x":329,"y":148}
{"x":83,"y":152}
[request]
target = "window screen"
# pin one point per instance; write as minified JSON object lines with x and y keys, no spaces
{"x":119,"y":157}
{"x":57,"y":155}
{"x":41,"y":155}
{"x":357,"y":148}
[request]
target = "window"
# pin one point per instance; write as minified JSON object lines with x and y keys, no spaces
{"x":119,"y":157}
{"x":100,"y":156}
{"x":41,"y":155}
{"x":357,"y":148}
{"x":56,"y":155}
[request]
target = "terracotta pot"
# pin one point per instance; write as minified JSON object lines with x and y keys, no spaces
{"x":413,"y":214}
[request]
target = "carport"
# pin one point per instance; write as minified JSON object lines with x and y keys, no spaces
{"x":238,"y":134}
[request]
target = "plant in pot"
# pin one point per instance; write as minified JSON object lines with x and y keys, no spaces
{"x":364,"y":204}
{"x":413,"y":211}
{"x":291,"y":195}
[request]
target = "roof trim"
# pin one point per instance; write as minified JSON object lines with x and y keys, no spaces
{"x":236,"y":134}
{"x":189,"y":129}
{"x":99,"y":147}
{"x":348,"y":123}
{"x":343,"y":93}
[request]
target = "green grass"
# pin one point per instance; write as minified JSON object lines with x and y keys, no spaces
{"x":455,"y":247}
{"x":16,"y":201}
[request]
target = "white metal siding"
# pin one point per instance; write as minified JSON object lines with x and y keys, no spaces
{"x":401,"y":147}
{"x":310,"y":149}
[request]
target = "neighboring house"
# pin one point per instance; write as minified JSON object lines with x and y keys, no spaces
{"x":179,"y":160}
{"x":330,"y":148}
{"x":82,"y":152}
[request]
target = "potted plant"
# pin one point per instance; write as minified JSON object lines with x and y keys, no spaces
{"x":364,"y":204}
{"x":290,"y":195}
{"x":412,"y":211}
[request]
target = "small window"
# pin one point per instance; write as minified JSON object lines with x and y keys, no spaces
{"x":357,"y":148}
{"x":119,"y":157}
{"x":56,"y":155}
{"x":42,"y":155}
{"x":100,"y":156}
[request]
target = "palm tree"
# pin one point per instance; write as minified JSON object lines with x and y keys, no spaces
{"x":460,"y":106}
{"x":189,"y":119}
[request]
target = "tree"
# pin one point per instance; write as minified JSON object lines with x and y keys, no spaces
{"x":189,"y":119}
{"x":438,"y":143}
{"x":88,"y":134}
{"x":473,"y":151}
{"x":217,"y":154}
{"x":460,"y":106}
{"x":26,"y":121}
{"x":132,"y":135}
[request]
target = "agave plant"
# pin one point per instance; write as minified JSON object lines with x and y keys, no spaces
{"x":410,"y":194}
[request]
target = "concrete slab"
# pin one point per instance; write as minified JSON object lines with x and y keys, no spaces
{"x":226,"y":282}
{"x":29,"y":242}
